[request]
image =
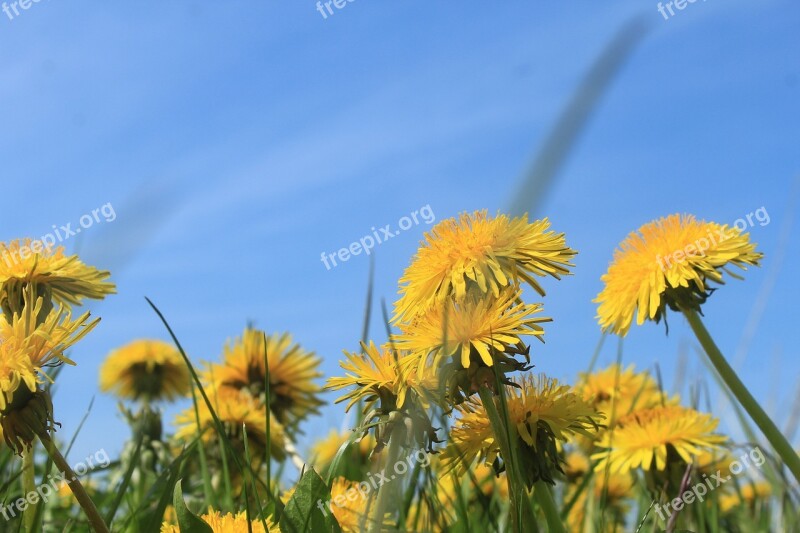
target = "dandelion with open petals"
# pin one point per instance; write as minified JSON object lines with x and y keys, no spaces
{"x":476,"y":330}
{"x":376,"y":375}
{"x":645,"y":438}
{"x":476,"y":252}
{"x":387,"y":383}
{"x":670,"y":263}
{"x":543,"y":412}
{"x":647,"y":275}
{"x":293,"y":392}
{"x":27,"y":347}
{"x":234,"y":409}
{"x":228,"y":523}
{"x":617,"y":392}
{"x":57,"y":276}
{"x":147,"y":370}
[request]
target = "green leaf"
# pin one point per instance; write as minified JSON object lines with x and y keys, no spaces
{"x":187,"y":521}
{"x":308,"y":508}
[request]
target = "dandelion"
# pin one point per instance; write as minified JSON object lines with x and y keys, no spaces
{"x":479,"y":253}
{"x":608,"y":493}
{"x":643,"y":280}
{"x":146,"y":369}
{"x":26,"y":348}
{"x":748,"y":494}
{"x":350,"y":506}
{"x":376,"y":375}
{"x":543,"y":412}
{"x":55,"y":275}
{"x":645,"y":438}
{"x":234,"y":410}
{"x":228,"y":523}
{"x":617,"y":392}
{"x":477,"y":330}
{"x":670,"y":263}
{"x":325,"y":449}
{"x":383,"y":380}
{"x":293,"y":394}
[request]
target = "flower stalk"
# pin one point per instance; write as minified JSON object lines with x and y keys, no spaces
{"x":86,"y":503}
{"x":743,"y":396}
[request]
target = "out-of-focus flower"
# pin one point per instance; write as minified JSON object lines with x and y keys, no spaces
{"x":293,"y":394}
{"x":228,"y":523}
{"x":147,"y":370}
{"x":233,"y":408}
{"x":616,"y":392}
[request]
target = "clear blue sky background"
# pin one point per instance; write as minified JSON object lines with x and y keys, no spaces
{"x":239,"y":140}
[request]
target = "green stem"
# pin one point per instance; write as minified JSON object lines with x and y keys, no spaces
{"x":728,"y":375}
{"x":544,"y":498}
{"x":501,"y":433}
{"x":95,"y":520}
{"x":386,"y":490}
{"x":28,"y":486}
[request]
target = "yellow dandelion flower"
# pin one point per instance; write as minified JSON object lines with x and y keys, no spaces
{"x":145,"y":369}
{"x":643,"y":438}
{"x":669,"y":262}
{"x":228,"y":523}
{"x":478,"y":327}
{"x":26,"y":348}
{"x":349,"y":506}
{"x":293,"y":393}
{"x":66,"y":278}
{"x":612,"y":490}
{"x":481,"y":253}
{"x":324,"y":450}
{"x":233,"y":408}
{"x":377,"y":374}
{"x":576,"y":465}
{"x":626,"y":390}
{"x":543,"y":412}
{"x":747,"y":494}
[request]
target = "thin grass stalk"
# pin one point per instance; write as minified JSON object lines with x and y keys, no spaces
{"x":545,"y":500}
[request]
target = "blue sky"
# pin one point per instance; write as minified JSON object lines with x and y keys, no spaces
{"x":239,"y":140}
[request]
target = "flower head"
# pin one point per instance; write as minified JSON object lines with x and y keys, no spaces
{"x":669,"y":262}
{"x":617,"y":392}
{"x":543,"y":412}
{"x":65,"y":279}
{"x":146,"y":369}
{"x":644,"y":439}
{"x":234,"y":410}
{"x":325,"y":449}
{"x":228,"y":523}
{"x":375,"y":375}
{"x":351,"y":513}
{"x":387,"y":383}
{"x":478,"y":328}
{"x":293,"y":394}
{"x":479,"y":253}
{"x":28,"y":345}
